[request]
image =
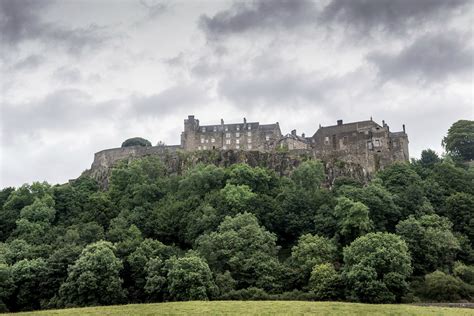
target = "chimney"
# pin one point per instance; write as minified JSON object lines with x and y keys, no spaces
{"x":222,"y":121}
{"x":191,"y":117}
{"x":404,"y":128}
{"x":245,"y":120}
{"x":302,"y":135}
{"x":339,"y":122}
{"x":383,"y":123}
{"x":293,"y":132}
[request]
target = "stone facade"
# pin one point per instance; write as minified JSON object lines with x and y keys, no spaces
{"x":237,"y":136}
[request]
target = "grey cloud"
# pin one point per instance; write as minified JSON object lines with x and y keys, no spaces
{"x":20,"y":20}
{"x":154,"y":8}
{"x":60,"y":110}
{"x":388,"y":15}
{"x":432,"y":57}
{"x":28,"y":63}
{"x":170,"y":100}
{"x":67,"y":75}
{"x":257,"y":15}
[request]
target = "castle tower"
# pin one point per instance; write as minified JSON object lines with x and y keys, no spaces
{"x":188,"y":136}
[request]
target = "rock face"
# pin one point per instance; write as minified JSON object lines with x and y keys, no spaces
{"x":177,"y":161}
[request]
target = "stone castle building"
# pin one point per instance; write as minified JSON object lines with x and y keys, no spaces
{"x":365,"y":143}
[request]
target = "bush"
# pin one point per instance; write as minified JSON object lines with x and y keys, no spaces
{"x":249,"y":294}
{"x":325,"y":282}
{"x":136,"y":141}
{"x":443,"y":287}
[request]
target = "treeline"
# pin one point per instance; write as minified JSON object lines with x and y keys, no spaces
{"x":240,"y":233}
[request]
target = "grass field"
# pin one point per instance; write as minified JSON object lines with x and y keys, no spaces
{"x":258,"y":308}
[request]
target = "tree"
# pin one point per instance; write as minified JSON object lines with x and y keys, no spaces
{"x":136,"y":141}
{"x":383,"y":211}
{"x":429,"y":158}
{"x":312,"y":250}
{"x":258,"y":179}
{"x":309,"y":175}
{"x":376,"y":267}
{"x":94,"y":279}
{"x":352,"y":219}
{"x":459,"y":209}
{"x":406,"y":186}
{"x":189,"y":278}
{"x":325,"y":282}
{"x":6,"y":286}
{"x":431,"y":242}
{"x":442,"y":287}
{"x":459,"y":142}
{"x":28,"y":276}
{"x":245,"y":249}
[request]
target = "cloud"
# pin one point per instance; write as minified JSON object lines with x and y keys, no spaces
{"x":431,"y":57}
{"x":20,"y":20}
{"x":260,"y":14}
{"x":59,"y":111}
{"x":182,"y":96}
{"x":67,"y":75}
{"x":28,"y":63}
{"x":393,"y":16}
{"x":154,"y":7}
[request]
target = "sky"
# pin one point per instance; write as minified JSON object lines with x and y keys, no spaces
{"x":80,"y":76}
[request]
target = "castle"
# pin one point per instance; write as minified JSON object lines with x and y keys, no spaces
{"x":364,"y":143}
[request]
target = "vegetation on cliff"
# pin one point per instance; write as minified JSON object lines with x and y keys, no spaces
{"x":237,"y":233}
{"x":136,"y":141}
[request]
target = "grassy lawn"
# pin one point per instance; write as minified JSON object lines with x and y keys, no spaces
{"x":258,"y":308}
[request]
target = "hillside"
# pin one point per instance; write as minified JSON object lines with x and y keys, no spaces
{"x":259,"y":308}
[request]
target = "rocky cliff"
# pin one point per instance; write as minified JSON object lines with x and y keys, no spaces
{"x":283,"y":163}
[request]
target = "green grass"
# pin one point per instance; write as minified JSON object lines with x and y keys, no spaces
{"x":258,"y":308}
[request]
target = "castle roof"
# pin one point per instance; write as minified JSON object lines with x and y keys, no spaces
{"x":347,"y":127}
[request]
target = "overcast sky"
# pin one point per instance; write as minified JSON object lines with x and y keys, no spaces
{"x":77,"y":76}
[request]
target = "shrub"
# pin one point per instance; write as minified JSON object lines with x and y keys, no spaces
{"x":136,"y":141}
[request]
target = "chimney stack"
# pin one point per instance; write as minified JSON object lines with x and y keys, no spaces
{"x":222,"y":121}
{"x":293,"y":132}
{"x":404,"y":128}
{"x":339,"y":122}
{"x":302,"y":135}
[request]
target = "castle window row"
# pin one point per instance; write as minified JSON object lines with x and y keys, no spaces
{"x":226,"y":128}
{"x":237,"y":146}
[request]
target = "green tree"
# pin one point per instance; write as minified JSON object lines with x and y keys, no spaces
{"x":442,"y":287}
{"x":460,"y":210}
{"x":245,"y":249}
{"x":155,"y":286}
{"x":325,"y":282}
{"x":136,"y":141}
{"x":312,"y":250}
{"x":353,"y":220}
{"x":431,"y":242}
{"x":309,"y":175}
{"x":258,"y":179}
{"x":6,"y":286}
{"x":189,"y":278}
{"x":28,"y":277}
{"x":459,"y":142}
{"x":376,"y":267}
{"x":94,"y":279}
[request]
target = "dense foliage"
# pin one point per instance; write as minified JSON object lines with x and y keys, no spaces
{"x":240,"y":233}
{"x":136,"y":141}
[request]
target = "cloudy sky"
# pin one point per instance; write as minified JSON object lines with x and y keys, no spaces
{"x":79,"y":76}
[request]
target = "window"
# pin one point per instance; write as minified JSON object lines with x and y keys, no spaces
{"x":204,"y":147}
{"x":267,"y":138}
{"x":344,"y":140}
{"x":227,"y":135}
{"x":224,"y":147}
{"x":377,"y":143}
{"x":238,"y":128}
{"x":227,"y":141}
{"x":249,"y":127}
{"x":326,"y":140}
{"x":203,"y":129}
{"x":226,"y":128}
{"x":199,"y":148}
{"x":237,"y":146}
{"x":237,"y":141}
{"x":249,"y":140}
{"x":202,"y":140}
{"x":250,"y":146}
{"x":237,"y":134}
{"x":207,"y":141}
{"x":369,"y":145}
{"x":249,"y":134}
{"x":213,"y":140}
{"x":215,"y":128}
